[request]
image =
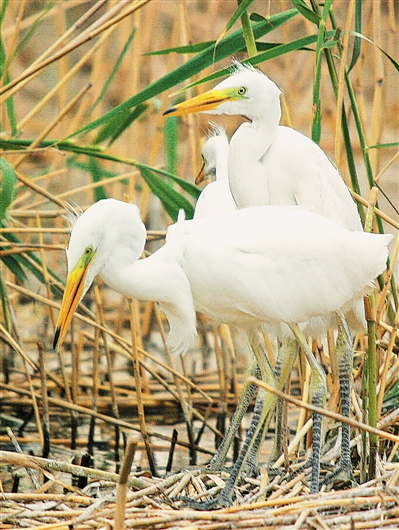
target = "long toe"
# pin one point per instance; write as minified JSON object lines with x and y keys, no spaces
{"x":221,"y":501}
{"x":342,"y":475}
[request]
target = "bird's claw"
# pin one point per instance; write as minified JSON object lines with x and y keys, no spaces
{"x":343,"y":472}
{"x":221,"y":501}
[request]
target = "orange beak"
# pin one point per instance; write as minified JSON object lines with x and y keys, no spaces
{"x":201,"y":175}
{"x":204,"y":102}
{"x":72,"y":295}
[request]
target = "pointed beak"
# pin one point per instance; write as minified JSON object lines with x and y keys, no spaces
{"x":202,"y":103}
{"x":72,"y":295}
{"x":201,"y":175}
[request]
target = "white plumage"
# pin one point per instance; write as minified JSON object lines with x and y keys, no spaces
{"x":252,"y":266}
{"x":216,"y":196}
{"x":269,"y":163}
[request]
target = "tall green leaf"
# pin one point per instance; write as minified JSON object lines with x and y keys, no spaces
{"x":358,"y":29}
{"x":171,"y":200}
{"x":310,"y":15}
{"x":271,"y":51}
{"x":114,"y":69}
{"x":70,"y":147}
{"x":231,"y":44}
{"x":112,"y":129}
{"x":171,"y":138}
{"x":7,"y":186}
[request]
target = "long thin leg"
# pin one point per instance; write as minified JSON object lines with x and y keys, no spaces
{"x":268,"y":402}
{"x":278,"y":434}
{"x":344,"y":352}
{"x":318,"y":391}
{"x":247,"y":393}
{"x":287,"y":353}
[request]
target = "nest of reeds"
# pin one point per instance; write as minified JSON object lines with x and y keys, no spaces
{"x":86,"y":439}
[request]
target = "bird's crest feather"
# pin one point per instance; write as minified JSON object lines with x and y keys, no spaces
{"x":237,"y":67}
{"x":72,"y":213}
{"x":215,"y":129}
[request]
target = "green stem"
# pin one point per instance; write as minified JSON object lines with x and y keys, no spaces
{"x":371,"y":360}
{"x":248,"y":33}
{"x":372,"y":386}
{"x":316,"y":122}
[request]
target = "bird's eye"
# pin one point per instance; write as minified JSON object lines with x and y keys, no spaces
{"x":88,"y":251}
{"x":242,"y":90}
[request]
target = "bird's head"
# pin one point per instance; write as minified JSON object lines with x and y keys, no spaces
{"x":214,"y":155}
{"x":100,"y":234}
{"x":247,"y":92}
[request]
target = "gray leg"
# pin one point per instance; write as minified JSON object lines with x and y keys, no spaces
{"x":268,"y":401}
{"x":318,"y":391}
{"x":344,"y":352}
{"x":287,"y":354}
{"x":246,"y":396}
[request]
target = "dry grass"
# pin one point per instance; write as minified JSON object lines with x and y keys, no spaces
{"x":84,"y":399}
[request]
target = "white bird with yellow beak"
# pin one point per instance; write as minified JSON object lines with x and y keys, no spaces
{"x":270,"y":164}
{"x":228,"y":267}
{"x":216,"y":197}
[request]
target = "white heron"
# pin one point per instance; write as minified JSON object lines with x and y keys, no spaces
{"x":216,"y":197}
{"x":269,"y":164}
{"x":228,"y":267}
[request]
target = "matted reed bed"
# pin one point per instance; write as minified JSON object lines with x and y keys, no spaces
{"x":81,"y":96}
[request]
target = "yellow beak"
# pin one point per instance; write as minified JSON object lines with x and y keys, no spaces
{"x":202,"y":103}
{"x":201,"y":175}
{"x":72,"y":295}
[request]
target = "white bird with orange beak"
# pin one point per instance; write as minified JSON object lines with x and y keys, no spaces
{"x":229,"y":267}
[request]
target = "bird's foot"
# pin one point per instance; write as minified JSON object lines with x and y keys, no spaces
{"x":223,"y":500}
{"x":218,"y":492}
{"x":342,"y":474}
{"x":206,"y":469}
{"x":252,"y":470}
{"x":306,"y":466}
{"x":306,"y":469}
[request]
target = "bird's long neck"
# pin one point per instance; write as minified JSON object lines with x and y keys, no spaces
{"x":161,"y":280}
{"x":266,"y":122}
{"x":222,"y":165}
{"x":248,"y":146}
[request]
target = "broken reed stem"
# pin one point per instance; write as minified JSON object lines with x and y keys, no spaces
{"x":377,"y":211}
{"x":18,"y":449}
{"x":46,"y":415}
{"x":36,"y":462}
{"x":137,"y":377}
{"x":120,"y":509}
